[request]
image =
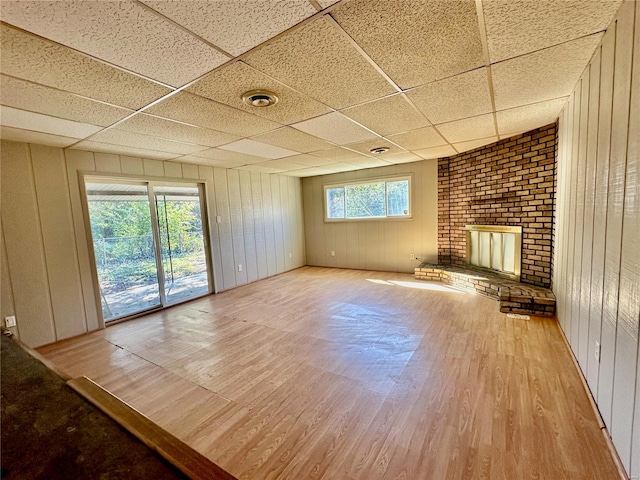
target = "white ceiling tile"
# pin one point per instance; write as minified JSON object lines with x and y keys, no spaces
{"x":91,"y":146}
{"x":516,"y":27}
{"x":227,"y":156}
{"x":49,"y":101}
{"x":305,"y":160}
{"x":415,"y":41}
{"x":338,"y":154}
{"x":472,"y":128}
{"x":281,"y":164}
{"x":418,"y":139}
{"x":404,"y":157}
{"x":327,"y":3}
{"x":309,"y":172}
{"x":287,"y":137}
{"x":37,"y":60}
{"x":208,"y":161}
{"x":472,"y":144}
{"x":235,"y":25}
{"x":12,"y":117}
{"x":341,"y":167}
{"x":163,"y":128}
{"x":368,"y":162}
{"x":129,"y":139}
{"x":436,"y":152}
{"x":202,"y":112}
{"x":388,"y":115}
{"x":366,"y":147}
{"x":228,"y":84}
{"x":28,"y":136}
{"x":461,"y":96}
{"x":523,"y":119}
{"x":121,"y":33}
{"x":335,"y":128}
{"x":251,"y":147}
{"x":260,"y":169}
{"x":543,"y":75}
{"x":319,"y":61}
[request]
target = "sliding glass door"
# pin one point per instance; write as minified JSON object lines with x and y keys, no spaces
{"x":149,"y":244}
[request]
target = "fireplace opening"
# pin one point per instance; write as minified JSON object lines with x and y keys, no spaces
{"x":495,"y":247}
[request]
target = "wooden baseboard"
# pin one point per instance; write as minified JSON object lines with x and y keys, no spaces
{"x":175,"y":451}
{"x":596,"y":411}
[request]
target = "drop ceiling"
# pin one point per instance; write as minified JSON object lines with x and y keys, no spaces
{"x":164,"y":79}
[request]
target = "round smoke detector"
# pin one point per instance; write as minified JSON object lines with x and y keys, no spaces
{"x":260,"y":98}
{"x":379,"y":150}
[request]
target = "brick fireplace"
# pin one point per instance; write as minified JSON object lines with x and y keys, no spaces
{"x":510,"y":182}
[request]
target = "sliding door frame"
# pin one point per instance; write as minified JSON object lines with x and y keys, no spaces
{"x":150,"y":182}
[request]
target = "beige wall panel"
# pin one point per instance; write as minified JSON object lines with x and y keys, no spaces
{"x":153,"y":168}
{"x":573,"y":214}
{"x":277,"y":223}
{"x":594,"y":323}
{"x":615,"y":206}
{"x":106,"y":162}
{"x":580,"y":330}
{"x":376,"y":245}
{"x":25,"y":253}
{"x":258,"y":224}
{"x":237,"y":230}
{"x":297,"y":221}
{"x":80,"y":161}
{"x":286,"y":222}
{"x":190,"y":171}
{"x":7,"y":306}
{"x":131,"y":165}
{"x":65,"y":285}
{"x":206,"y":173}
{"x":626,"y":306}
{"x":172,"y":169}
{"x":226,"y":238}
{"x":269,"y":230}
{"x":248,"y":225}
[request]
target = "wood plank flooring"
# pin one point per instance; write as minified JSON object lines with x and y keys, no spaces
{"x":345,"y":374}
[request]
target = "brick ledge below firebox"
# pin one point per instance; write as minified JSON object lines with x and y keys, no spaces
{"x":514,"y":297}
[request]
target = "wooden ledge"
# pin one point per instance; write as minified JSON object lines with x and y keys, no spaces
{"x":175,"y":451}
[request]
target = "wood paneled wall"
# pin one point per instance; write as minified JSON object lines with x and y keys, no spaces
{"x":597,"y":253}
{"x":369,"y":244}
{"x":46,"y":266}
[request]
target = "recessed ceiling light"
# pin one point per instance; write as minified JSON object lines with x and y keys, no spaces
{"x":379,"y":150}
{"x":260,"y":98}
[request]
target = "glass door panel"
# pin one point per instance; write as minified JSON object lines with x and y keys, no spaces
{"x":123,"y":243}
{"x":182,"y":246}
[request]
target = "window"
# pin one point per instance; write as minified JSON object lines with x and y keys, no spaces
{"x":380,"y":198}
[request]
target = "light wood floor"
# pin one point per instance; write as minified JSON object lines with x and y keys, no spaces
{"x":342,"y":374}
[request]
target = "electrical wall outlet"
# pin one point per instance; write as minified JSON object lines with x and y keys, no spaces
{"x":239,"y":268}
{"x":333,"y":253}
{"x":10,"y":321}
{"x":412,"y":256}
{"x":597,"y":352}
{"x":218,"y":219}
{"x":290,"y":255}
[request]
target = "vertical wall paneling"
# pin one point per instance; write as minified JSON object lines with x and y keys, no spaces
{"x":226,"y":238}
{"x":593,"y":323}
{"x":277,"y":222}
{"x":602,"y":285}
{"x":269,"y":222}
{"x":286,"y":224}
{"x":206,"y":173}
{"x":23,"y":241}
{"x":107,"y":163}
{"x":248,"y":227}
{"x":172,"y":170}
{"x":626,"y":305}
{"x":79,"y":161}
{"x":7,"y":306}
{"x":153,"y":168}
{"x":237,"y":231}
{"x":580,"y":331}
{"x":259,"y":225}
{"x":190,"y":172}
{"x":374,"y":245}
{"x":131,"y":165}
{"x":58,"y":240}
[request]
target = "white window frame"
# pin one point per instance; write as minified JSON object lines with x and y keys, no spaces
{"x":384,"y":218}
